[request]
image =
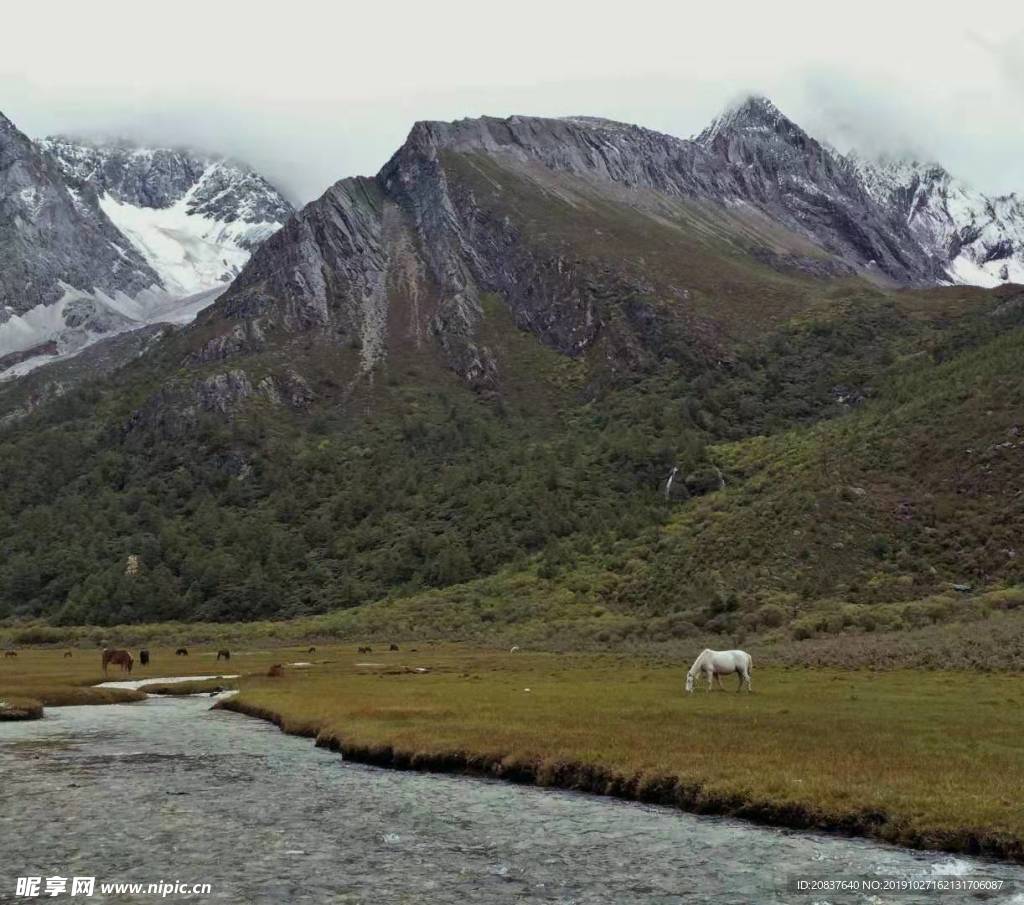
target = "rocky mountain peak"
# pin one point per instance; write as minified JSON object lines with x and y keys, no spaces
{"x":53,"y":234}
{"x":160,"y":177}
{"x":101,"y":237}
{"x":753,"y":115}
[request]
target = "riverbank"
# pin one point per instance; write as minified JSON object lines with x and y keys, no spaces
{"x":926,"y":760}
{"x":37,"y":679}
{"x":932,"y":760}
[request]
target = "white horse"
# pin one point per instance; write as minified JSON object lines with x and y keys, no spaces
{"x":712,"y":664}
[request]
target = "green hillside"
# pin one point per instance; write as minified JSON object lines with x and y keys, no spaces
{"x":252,"y":467}
{"x":419,"y":483}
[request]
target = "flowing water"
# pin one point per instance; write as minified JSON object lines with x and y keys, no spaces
{"x":168,"y":790}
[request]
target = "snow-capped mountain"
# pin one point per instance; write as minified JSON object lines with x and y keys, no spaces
{"x":195,"y":218}
{"x":66,"y":272}
{"x":98,"y":239}
{"x":981,"y":238}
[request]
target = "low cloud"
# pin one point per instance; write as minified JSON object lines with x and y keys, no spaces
{"x":331,"y":90}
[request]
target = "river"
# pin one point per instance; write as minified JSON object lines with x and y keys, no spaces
{"x":168,"y":790}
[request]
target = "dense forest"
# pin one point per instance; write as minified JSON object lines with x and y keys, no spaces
{"x":420,"y":482}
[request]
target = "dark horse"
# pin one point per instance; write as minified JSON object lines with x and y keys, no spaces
{"x":225,"y":654}
{"x":144,"y":657}
{"x":120,"y":657}
{"x":10,"y":653}
{"x":181,"y":652}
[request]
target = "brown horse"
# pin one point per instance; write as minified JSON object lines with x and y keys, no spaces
{"x":144,"y":657}
{"x":10,"y":653}
{"x":276,"y":671}
{"x":181,"y":652}
{"x":67,"y":654}
{"x":119,"y":657}
{"x":226,"y":654}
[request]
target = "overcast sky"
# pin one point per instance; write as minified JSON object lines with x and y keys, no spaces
{"x":310,"y":92}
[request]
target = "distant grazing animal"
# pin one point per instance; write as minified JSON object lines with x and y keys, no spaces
{"x":223,"y":654}
{"x":67,"y":654}
{"x":514,"y":648}
{"x":276,"y":671}
{"x":181,"y":652}
{"x":10,"y":653}
{"x":714,"y":663}
{"x":366,"y":650}
{"x":144,"y":657}
{"x":312,"y":650}
{"x":119,"y":657}
{"x":393,"y":647}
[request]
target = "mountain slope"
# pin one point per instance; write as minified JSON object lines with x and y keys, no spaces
{"x":487,"y":359}
{"x":915,"y":494}
{"x":591,"y":231}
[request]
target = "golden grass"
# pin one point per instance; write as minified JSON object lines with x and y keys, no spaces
{"x":924,"y":758}
{"x":52,"y":679}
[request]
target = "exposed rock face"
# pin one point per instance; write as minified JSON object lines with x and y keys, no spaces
{"x":333,"y":250}
{"x":176,"y":409}
{"x":752,"y":154}
{"x":53,"y":234}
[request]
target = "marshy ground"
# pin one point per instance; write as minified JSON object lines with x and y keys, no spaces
{"x":930,"y":759}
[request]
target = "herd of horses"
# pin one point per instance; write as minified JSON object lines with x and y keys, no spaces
{"x":120,"y":657}
{"x":710,"y":665}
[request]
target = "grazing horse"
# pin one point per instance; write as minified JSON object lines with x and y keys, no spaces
{"x":67,"y":654}
{"x":144,"y":657}
{"x":276,"y":671}
{"x":366,"y":650}
{"x":312,"y":650}
{"x":393,"y":647}
{"x":223,"y":654}
{"x":120,"y":657}
{"x":714,"y":663}
{"x":181,"y":652}
{"x":10,"y":653}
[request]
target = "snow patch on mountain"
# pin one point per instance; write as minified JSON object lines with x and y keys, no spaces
{"x":980,"y":237}
{"x":78,"y":319}
{"x":193,"y":217}
{"x":190,"y":252}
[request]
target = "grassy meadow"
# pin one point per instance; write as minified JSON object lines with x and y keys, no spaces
{"x":929,"y":759}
